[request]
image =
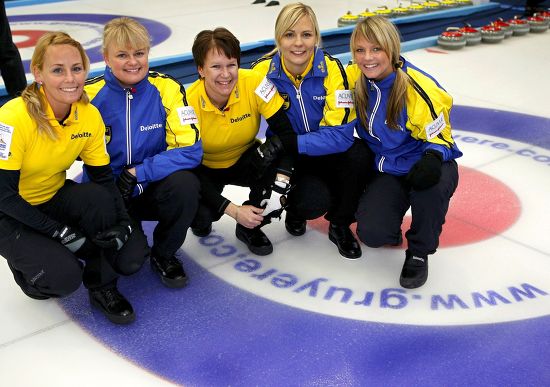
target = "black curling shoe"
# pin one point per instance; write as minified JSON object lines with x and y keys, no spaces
{"x":170,"y":271}
{"x":113,"y":305}
{"x":295,"y":226}
{"x":202,"y":232}
{"x":255,"y":239}
{"x":342,"y":237}
{"x":415,"y":271}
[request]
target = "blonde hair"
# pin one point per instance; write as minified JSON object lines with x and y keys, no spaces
{"x":125,"y":32}
{"x":380,"y":31}
{"x":34,"y":100}
{"x":287,"y":19}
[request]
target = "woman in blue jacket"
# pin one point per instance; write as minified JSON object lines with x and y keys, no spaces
{"x":153,"y":139}
{"x":319,"y":105}
{"x":403,"y":117}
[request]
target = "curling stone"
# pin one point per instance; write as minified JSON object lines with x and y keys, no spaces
{"x":416,"y":8}
{"x":383,"y":11}
{"x":348,"y":20}
{"x":473,"y":36}
{"x":491,"y":34}
{"x":504,"y":26}
{"x":451,"y":39}
{"x":448,"y":3}
{"x":400,"y":11}
{"x":519,"y":26}
{"x":432,"y":6}
{"x":365,"y":14}
{"x":537,"y":24}
{"x":544,"y":14}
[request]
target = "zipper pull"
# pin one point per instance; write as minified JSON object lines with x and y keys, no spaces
{"x":371,"y":86}
{"x":129,"y":93}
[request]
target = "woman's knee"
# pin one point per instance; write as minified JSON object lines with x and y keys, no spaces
{"x":62,"y":282}
{"x":310,"y":199}
{"x":98,"y":204}
{"x":372,"y":234}
{"x":134,"y":253}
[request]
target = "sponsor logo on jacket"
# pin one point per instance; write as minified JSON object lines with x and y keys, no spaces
{"x":238,"y":119}
{"x":74,"y":136}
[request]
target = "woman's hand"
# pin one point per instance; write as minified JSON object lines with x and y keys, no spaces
{"x":246,"y":215}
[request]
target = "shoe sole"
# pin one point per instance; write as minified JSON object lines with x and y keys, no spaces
{"x":343,"y":253}
{"x":114,"y":319}
{"x":201,"y":233}
{"x":170,"y":283}
{"x":412,"y":284}
{"x":174,"y":283}
{"x":261,"y":251}
{"x":291,"y":232}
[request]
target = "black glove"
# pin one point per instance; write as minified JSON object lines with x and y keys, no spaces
{"x":426,"y":171}
{"x":126,"y":182}
{"x":114,"y":237}
{"x":266,"y":154}
{"x":70,"y":238}
{"x":276,"y":200}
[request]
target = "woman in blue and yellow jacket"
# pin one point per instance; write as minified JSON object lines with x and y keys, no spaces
{"x":403,"y":117}
{"x":319,"y":104}
{"x":153,"y":139}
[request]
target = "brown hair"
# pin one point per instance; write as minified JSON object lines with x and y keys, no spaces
{"x":34,"y":100}
{"x":221,"y":39}
{"x":380,"y":31}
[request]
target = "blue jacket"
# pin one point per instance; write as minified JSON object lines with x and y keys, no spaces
{"x":427,"y":107}
{"x":149,"y":127}
{"x":319,"y":108}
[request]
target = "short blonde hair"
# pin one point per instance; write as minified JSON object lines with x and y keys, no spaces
{"x":125,"y":32}
{"x":289,"y":16}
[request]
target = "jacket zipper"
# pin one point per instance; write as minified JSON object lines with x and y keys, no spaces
{"x":302,"y":107}
{"x":129,"y":98}
{"x":373,"y":87}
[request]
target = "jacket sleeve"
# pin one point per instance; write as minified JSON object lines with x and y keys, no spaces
{"x":334,"y":134}
{"x":183,"y":143}
{"x":428,"y":110}
{"x":13,"y":205}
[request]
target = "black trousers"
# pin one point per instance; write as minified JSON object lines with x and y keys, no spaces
{"x":386,"y":200}
{"x":43,"y":267}
{"x":329,"y":185}
{"x":212,"y":204}
{"x":11,"y":65}
{"x":173,"y":202}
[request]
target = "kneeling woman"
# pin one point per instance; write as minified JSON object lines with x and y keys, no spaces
{"x":403,"y":116}
{"x":49,"y":224}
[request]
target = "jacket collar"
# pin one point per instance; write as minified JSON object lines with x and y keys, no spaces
{"x":113,"y":83}
{"x":72,"y":117}
{"x":318,"y":68}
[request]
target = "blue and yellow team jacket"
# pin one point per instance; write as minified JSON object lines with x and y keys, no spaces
{"x":149,"y":126}
{"x":423,"y":124}
{"x":319,"y":107}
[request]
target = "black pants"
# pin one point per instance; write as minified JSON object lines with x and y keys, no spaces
{"x":386,"y":200}
{"x":212,"y":204}
{"x":329,"y":185}
{"x":11,"y":66}
{"x":173,"y":202}
{"x":42,"y":266}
